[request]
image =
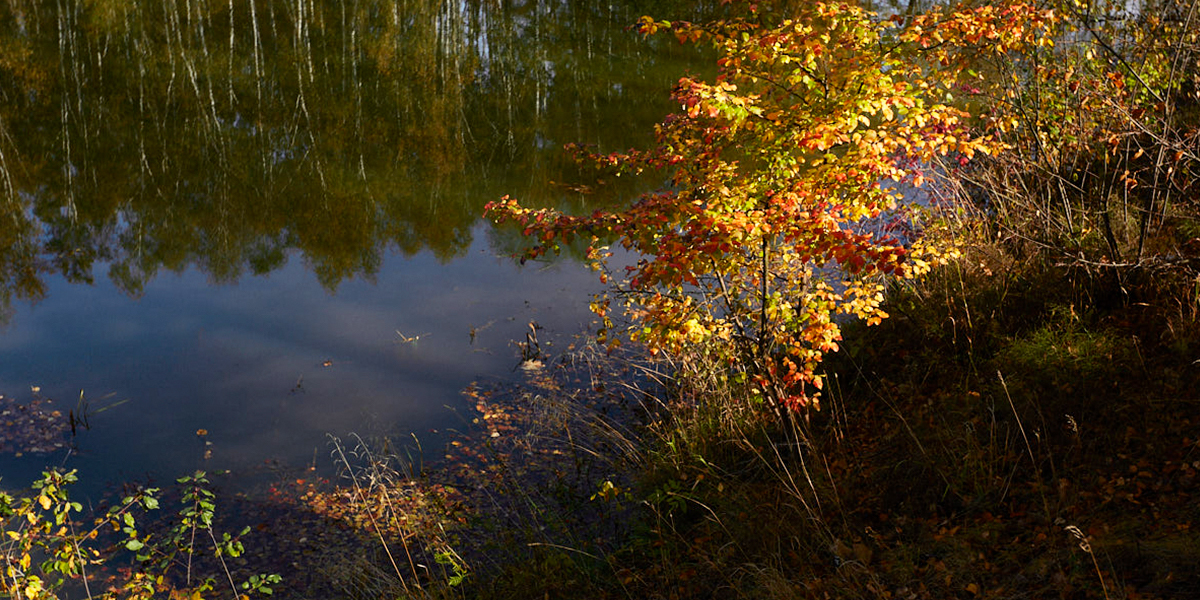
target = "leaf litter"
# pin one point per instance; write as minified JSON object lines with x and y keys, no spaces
{"x":32,"y":427}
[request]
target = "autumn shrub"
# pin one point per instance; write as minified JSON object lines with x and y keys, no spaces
{"x":972,"y":414}
{"x":766,"y":238}
{"x":786,"y":214}
{"x":1101,"y":181}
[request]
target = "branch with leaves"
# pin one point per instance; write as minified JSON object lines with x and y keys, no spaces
{"x":778,"y":169}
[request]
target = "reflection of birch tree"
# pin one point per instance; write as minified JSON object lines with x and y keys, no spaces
{"x":228,"y":134}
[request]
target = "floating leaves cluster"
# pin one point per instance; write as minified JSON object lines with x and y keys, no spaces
{"x":33,"y":427}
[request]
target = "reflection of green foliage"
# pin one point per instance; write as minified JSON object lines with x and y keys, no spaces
{"x":155,"y":136}
{"x":18,"y":261}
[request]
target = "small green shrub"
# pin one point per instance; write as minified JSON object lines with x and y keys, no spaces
{"x":47,"y":546}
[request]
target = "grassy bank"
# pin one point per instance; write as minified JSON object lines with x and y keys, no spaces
{"x":994,"y":438}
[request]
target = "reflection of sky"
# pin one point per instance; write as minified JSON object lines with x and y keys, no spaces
{"x":246,"y":361}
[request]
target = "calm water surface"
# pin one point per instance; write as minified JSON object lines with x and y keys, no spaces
{"x":261,"y":219}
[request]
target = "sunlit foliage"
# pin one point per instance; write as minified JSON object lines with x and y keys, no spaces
{"x":779,"y":169}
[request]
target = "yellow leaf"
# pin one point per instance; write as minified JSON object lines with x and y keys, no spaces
{"x":44,"y":501}
{"x":34,"y":588}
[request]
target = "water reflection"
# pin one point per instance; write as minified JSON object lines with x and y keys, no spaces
{"x":229,"y":135}
{"x":321,"y":162}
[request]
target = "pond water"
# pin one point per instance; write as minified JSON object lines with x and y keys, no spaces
{"x":262,"y":219}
